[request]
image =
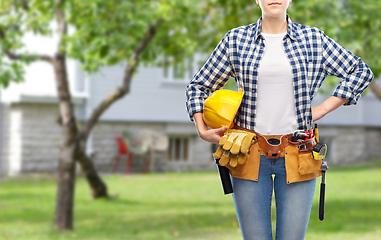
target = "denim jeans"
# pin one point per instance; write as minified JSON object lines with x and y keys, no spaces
{"x":293,"y":201}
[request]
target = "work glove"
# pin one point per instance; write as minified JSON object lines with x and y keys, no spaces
{"x":234,"y":147}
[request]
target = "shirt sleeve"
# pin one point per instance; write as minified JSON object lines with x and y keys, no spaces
{"x":212,"y":76}
{"x":355,"y":75}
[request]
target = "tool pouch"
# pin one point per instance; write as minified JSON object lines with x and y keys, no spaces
{"x":300,"y":166}
{"x":307,"y":164}
{"x":250,"y":169}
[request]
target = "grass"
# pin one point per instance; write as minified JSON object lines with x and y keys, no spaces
{"x":180,"y":206}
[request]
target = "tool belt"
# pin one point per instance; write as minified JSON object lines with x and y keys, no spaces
{"x":273,"y":146}
{"x":299,"y":162}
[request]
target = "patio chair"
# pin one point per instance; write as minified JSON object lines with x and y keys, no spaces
{"x":131,"y":147}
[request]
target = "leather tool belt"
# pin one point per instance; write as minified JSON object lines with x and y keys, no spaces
{"x":272,"y":146}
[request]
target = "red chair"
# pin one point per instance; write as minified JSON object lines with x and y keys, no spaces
{"x":123,"y":150}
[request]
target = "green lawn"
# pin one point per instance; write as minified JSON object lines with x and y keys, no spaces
{"x":181,"y":206}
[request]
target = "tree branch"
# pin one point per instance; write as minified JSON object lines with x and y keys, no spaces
{"x":97,"y":186}
{"x":26,"y":57}
{"x":124,"y":89}
{"x":62,"y":26}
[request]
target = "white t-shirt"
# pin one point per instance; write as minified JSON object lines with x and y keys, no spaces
{"x":276,"y":114}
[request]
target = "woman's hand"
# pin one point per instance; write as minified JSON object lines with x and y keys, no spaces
{"x":213,"y":135}
{"x":209,"y":135}
{"x":332,"y":103}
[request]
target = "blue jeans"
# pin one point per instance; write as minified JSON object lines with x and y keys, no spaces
{"x":293,"y":201}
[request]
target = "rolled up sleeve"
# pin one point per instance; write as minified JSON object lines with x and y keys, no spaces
{"x":212,"y":76}
{"x":355,"y":75}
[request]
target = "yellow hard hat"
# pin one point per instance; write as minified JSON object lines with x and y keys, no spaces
{"x":221,"y":107}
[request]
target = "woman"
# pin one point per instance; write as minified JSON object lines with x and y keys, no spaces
{"x":280,"y":65}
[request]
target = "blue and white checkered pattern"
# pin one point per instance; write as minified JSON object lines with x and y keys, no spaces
{"x":313,"y":56}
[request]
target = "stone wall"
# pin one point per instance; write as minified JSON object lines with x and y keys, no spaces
{"x":31,"y":139}
{"x":351,"y":144}
{"x":105,"y":149}
{"x":3,"y":140}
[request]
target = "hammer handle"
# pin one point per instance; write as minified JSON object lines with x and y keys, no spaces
{"x":225,"y":179}
{"x":322,"y":202}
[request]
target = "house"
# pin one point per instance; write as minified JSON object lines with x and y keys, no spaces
{"x":30,"y":136}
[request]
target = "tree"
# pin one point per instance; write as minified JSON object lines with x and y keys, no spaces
{"x":106,"y":32}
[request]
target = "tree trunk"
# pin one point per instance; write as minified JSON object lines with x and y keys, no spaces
{"x":63,"y":219}
{"x":71,"y":147}
{"x":97,"y":186}
{"x":375,"y":89}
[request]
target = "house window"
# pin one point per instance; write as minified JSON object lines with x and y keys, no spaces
{"x":178,"y":148}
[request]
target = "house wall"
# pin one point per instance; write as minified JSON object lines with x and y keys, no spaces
{"x":1,"y":137}
{"x":362,"y":114}
{"x":105,"y":148}
{"x":5,"y":141}
{"x":351,"y":144}
{"x":30,"y":138}
{"x":153,"y":97}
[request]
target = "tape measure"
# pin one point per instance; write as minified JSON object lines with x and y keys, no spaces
{"x":319,"y":151}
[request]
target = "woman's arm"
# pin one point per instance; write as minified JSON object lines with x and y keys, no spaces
{"x":209,"y":135}
{"x":326,"y":107}
{"x":355,"y":75}
{"x":212,"y":76}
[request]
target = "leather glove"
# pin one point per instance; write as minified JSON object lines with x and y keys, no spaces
{"x":234,"y":147}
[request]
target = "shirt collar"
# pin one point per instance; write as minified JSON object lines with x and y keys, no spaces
{"x":291,"y":31}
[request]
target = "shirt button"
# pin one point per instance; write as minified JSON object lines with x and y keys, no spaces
{"x":253,"y":91}
{"x":255,"y":67}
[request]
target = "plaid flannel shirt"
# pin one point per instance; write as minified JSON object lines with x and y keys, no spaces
{"x":313,"y":56}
